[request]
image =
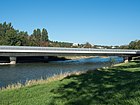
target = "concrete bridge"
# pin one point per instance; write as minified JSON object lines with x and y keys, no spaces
{"x":26,"y":51}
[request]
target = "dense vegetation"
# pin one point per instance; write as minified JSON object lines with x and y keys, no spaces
{"x":132,"y":45}
{"x":39,"y":37}
{"x":114,"y":86}
{"x":10,"y":36}
{"x":13,"y":37}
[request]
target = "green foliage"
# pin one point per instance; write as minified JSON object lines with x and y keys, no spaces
{"x":36,"y":37}
{"x":87,"y":45}
{"x":12,"y":37}
{"x":60,"y":44}
{"x":124,"y":47}
{"x":23,"y":38}
{"x":44,"y":35}
{"x":112,"y":61}
{"x":134,"y":44}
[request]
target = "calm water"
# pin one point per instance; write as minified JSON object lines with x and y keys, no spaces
{"x":10,"y":74}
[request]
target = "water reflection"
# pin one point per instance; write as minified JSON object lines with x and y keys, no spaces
{"x":10,"y":74}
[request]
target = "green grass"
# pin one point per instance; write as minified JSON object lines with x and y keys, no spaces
{"x":119,"y":85}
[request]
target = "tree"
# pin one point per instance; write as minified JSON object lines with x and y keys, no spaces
{"x":137,"y":45}
{"x":12,"y":38}
{"x":44,"y":35}
{"x":124,"y":47}
{"x":87,"y":45}
{"x":23,"y":38}
{"x":134,"y":44}
{"x":36,"y":37}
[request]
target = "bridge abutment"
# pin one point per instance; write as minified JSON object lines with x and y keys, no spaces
{"x":13,"y":60}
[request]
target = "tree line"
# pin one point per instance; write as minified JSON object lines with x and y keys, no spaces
{"x":13,"y":37}
{"x":132,"y":45}
{"x":39,"y":37}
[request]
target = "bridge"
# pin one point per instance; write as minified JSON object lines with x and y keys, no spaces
{"x":24,"y":51}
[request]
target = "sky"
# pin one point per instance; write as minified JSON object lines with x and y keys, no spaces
{"x":100,"y":22}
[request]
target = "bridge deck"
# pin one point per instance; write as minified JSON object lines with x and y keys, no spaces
{"x":55,"y":51}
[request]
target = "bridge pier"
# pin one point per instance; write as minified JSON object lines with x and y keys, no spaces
{"x":46,"y":58}
{"x":13,"y":60}
{"x":127,"y":59}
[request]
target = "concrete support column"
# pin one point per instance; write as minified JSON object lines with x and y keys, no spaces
{"x":46,"y":58}
{"x":127,"y":59}
{"x":13,"y":60}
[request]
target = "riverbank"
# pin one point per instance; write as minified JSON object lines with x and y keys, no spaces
{"x":78,"y":57}
{"x":117,"y":85}
{"x":6,"y":61}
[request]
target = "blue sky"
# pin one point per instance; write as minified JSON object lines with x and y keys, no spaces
{"x":104,"y":22}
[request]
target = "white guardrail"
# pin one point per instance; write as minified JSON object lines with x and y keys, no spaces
{"x":65,"y":50}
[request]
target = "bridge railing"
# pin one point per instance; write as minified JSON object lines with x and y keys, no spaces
{"x":63,"y":49}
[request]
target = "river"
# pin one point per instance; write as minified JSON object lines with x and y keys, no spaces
{"x":22,"y":72}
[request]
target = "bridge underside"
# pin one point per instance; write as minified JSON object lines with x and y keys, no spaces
{"x":21,"y":57}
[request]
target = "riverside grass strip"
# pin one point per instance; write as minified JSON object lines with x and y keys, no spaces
{"x":118,"y":85}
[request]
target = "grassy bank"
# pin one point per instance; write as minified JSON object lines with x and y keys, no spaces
{"x":118,"y":85}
